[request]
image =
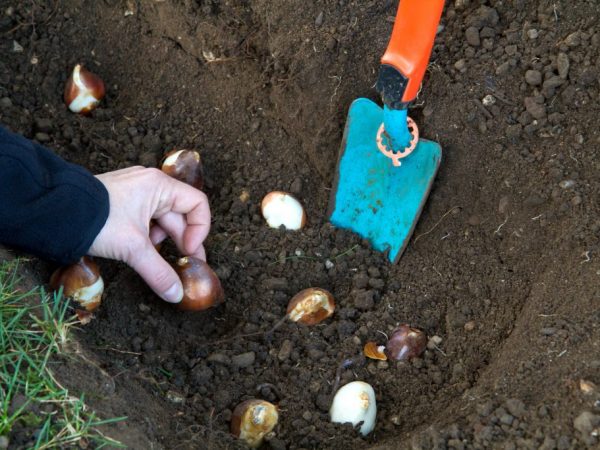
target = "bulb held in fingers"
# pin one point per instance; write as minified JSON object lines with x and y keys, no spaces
{"x":405,"y":342}
{"x":252,"y":420}
{"x":184,"y":165}
{"x":83,"y":90}
{"x":81,"y":282}
{"x":280,"y":208}
{"x":311,"y":306}
{"x":201,"y":286}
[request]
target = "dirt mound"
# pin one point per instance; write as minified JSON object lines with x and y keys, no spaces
{"x":503,"y":266}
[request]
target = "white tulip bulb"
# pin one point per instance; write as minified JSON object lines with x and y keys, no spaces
{"x":355,"y":403}
{"x":279,"y":208}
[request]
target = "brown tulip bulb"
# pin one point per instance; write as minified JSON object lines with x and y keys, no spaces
{"x":83,"y":90}
{"x":311,"y":306}
{"x":81,"y":282}
{"x":405,"y":342}
{"x":201,"y":286}
{"x":252,"y":420}
{"x":184,"y":165}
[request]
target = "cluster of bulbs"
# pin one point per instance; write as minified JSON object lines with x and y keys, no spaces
{"x":253,"y":419}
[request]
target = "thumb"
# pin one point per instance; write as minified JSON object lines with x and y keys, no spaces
{"x":157,"y":273}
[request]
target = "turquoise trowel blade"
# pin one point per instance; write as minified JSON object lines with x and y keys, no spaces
{"x":370,"y":196}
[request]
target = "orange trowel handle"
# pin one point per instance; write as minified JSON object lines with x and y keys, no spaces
{"x":410,"y":47}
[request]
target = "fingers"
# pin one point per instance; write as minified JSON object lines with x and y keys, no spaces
{"x":157,"y":234}
{"x":156,"y":272}
{"x":187,"y":217}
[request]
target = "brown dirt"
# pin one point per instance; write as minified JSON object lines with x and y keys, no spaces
{"x":504,"y":262}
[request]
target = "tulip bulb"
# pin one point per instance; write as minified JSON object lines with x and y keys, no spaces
{"x":280,"y":208}
{"x":355,"y":403}
{"x":81,"y":282}
{"x":201,"y":286}
{"x":405,"y":342}
{"x":184,"y":165}
{"x":83,"y":90}
{"x":252,"y":420}
{"x":311,"y":306}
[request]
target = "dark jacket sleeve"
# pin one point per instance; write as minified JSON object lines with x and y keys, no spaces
{"x":48,"y":207}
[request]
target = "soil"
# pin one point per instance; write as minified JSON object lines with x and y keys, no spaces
{"x":503,"y":266}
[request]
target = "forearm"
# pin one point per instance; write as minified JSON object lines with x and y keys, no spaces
{"x":48,"y":207}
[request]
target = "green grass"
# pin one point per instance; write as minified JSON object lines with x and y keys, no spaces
{"x":34,"y":327}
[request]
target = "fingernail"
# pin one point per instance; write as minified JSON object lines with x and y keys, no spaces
{"x":174,"y":294}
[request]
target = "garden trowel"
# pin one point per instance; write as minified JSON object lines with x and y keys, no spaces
{"x":385,"y":171}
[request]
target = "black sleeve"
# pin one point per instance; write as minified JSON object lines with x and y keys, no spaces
{"x":48,"y":207}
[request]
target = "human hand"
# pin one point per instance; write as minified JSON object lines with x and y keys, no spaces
{"x":138,"y":194}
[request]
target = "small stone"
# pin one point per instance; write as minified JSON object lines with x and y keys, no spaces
{"x":219,"y":358}
{"x":460,"y":65}
{"x":144,"y":308}
{"x":533,"y":200}
{"x":469,"y":326}
{"x":488,"y":100}
{"x":319,"y":19}
{"x":553,"y":83}
{"x":175,"y":397}
{"x":285,"y":350}
{"x":503,"y":205}
{"x":532,"y":33}
{"x":474,"y":220}
{"x":536,"y":109}
{"x":567,"y":184}
{"x":17,"y":48}
{"x":132,"y":131}
{"x":244,"y":359}
{"x":503,"y":68}
{"x":296,"y":186}
{"x":275,"y":284}
{"x":42,"y":137}
{"x":5,"y":102}
{"x":586,"y":422}
{"x":43,"y":125}
{"x":562,"y":65}
{"x":329,"y":264}
{"x":507,"y":419}
{"x":516,"y":407}
{"x":472,"y":36}
{"x":4,"y":442}
{"x":510,"y":50}
{"x":573,"y":40}
{"x":434,"y":342}
{"x":382,"y":365}
{"x":533,"y":77}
